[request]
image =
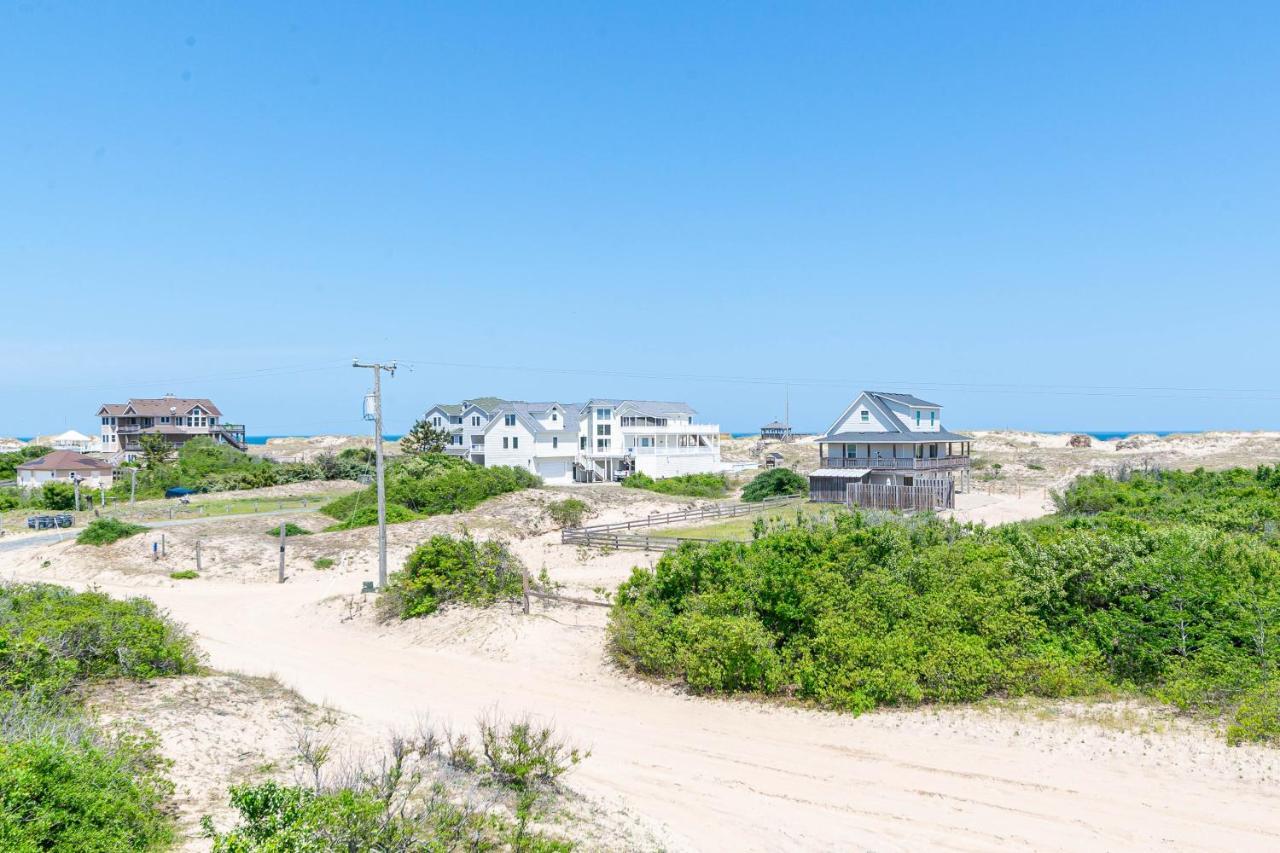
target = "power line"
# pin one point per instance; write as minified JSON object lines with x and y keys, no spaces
{"x":1168,"y":392}
{"x":248,"y":373}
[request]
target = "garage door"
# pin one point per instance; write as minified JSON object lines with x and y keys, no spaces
{"x":554,"y":470}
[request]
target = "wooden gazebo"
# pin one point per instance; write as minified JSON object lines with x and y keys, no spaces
{"x":776,"y":431}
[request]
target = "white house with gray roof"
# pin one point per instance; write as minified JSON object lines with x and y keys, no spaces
{"x":602,"y":440}
{"x":887,"y":439}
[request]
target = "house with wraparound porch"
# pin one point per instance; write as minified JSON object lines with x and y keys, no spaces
{"x":887,"y":439}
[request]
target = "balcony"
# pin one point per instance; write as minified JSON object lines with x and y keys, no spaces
{"x":890,"y":463}
{"x":672,"y":429}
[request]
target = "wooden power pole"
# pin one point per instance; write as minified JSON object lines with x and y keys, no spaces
{"x":374,"y":402}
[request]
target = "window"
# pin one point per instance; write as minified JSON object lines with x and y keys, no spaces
{"x":646,"y":441}
{"x":104,"y":421}
{"x":555,"y":442}
{"x":554,"y":417}
{"x":475,"y":420}
{"x":602,"y":444}
{"x":604,"y":414}
{"x":917,"y":417}
{"x":933,"y":417}
{"x":435,"y":421}
{"x":509,"y":420}
{"x":505,"y":443}
{"x":604,"y":429}
{"x":515,"y":442}
{"x":866,"y":416}
{"x":457,"y":439}
{"x":455,"y":419}
{"x":582,"y":443}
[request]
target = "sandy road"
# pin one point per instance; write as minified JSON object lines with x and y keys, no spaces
{"x":713,"y":775}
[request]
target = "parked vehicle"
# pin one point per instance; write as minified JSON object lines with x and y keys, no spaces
{"x":46,"y":522}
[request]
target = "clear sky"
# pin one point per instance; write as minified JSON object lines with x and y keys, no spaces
{"x":1029,"y":212}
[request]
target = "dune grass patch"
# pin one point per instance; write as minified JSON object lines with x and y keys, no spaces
{"x":104,"y":531}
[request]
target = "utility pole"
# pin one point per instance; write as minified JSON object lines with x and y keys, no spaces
{"x":280,"y":579}
{"x":376,"y":417}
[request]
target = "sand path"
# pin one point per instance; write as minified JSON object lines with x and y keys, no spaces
{"x":733,"y":775}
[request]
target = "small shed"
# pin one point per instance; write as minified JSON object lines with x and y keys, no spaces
{"x":776,"y":431}
{"x":773,"y":460}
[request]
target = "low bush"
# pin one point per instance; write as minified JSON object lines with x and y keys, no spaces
{"x":778,"y":482}
{"x":104,"y":531}
{"x":57,"y":496}
{"x":66,"y":785}
{"x":52,"y":638}
{"x":86,"y":793}
{"x":402,"y":801}
{"x":524,"y":755}
{"x":184,"y":575}
{"x":1257,"y":717}
{"x":323,"y":562}
{"x":290,"y":529}
{"x":687,"y":485}
{"x":568,"y":512}
{"x":431,"y":484}
{"x":444,"y":570}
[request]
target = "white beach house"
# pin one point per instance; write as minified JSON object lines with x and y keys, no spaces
{"x":602,"y":440}
{"x":65,"y":466}
{"x":888,"y":439}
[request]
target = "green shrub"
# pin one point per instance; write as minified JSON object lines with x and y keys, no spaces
{"x":444,"y":570}
{"x":323,"y":562}
{"x":1257,"y":718}
{"x":104,"y":531}
{"x":853,"y":614}
{"x":568,"y":512}
{"x":777,"y":482}
{"x":184,"y":575}
{"x":522,"y":754}
{"x":57,"y":496}
{"x":688,"y":485}
{"x":52,"y":638}
{"x":78,"y":795}
{"x":431,"y":484}
{"x":10,"y":499}
{"x":290,"y":529}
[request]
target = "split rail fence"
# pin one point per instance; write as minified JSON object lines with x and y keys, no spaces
{"x":616,"y":535}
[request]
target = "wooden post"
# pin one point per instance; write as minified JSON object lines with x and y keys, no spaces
{"x":133,"y":484}
{"x":163,"y":552}
{"x":524,"y":582}
{"x":198,"y":566}
{"x":281,"y":578}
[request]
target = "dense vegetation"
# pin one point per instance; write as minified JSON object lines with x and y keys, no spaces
{"x":9,"y":462}
{"x":104,"y":531}
{"x":432,"y":484}
{"x":688,"y":485}
{"x":1164,"y":584}
{"x":206,"y":466}
{"x":444,"y":570}
{"x":66,"y":784}
{"x":776,"y":483}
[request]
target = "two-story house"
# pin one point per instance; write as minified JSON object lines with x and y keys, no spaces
{"x":465,"y":423}
{"x":178,"y":419}
{"x":888,"y":439}
{"x":602,"y":440}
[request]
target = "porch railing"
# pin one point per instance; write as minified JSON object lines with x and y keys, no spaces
{"x":892,"y":463}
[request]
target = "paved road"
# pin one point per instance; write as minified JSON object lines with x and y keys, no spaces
{"x":20,"y":542}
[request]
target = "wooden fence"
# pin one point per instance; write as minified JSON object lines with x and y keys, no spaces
{"x":635,"y":541}
{"x":571,"y":535}
{"x":924,"y":495}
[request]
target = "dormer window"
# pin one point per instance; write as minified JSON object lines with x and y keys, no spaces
{"x":509,"y":420}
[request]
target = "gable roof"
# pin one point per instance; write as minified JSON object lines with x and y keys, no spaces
{"x":527,"y":416}
{"x":905,"y":436}
{"x":65,"y":460}
{"x":879,"y":401}
{"x":775,"y":425}
{"x":487,"y":404}
{"x":651,"y":408}
{"x":904,"y":399}
{"x":149,"y":407}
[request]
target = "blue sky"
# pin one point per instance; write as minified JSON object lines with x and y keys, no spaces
{"x":1028,"y":212}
